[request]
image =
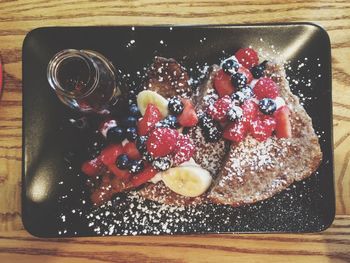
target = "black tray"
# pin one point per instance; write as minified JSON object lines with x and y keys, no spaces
{"x":54,"y":201}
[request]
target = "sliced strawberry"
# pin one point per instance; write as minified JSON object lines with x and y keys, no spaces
{"x":246,"y":72}
{"x":144,"y":176}
{"x":122,"y":174}
{"x":220,"y":108}
{"x":236,"y":131}
{"x":247,"y":57}
{"x":283,"y":125}
{"x":265,"y":88}
{"x":131,"y":151}
{"x":188,"y":117}
{"x":184,"y":149}
{"x":93,"y":167}
{"x":250,"y":111}
{"x":149,"y":120}
{"x":162,"y":141}
{"x":261,"y":129}
{"x":110,"y":153}
{"x":223,"y":84}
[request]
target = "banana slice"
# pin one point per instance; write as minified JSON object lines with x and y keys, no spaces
{"x":188,"y":181}
{"x":147,"y":96}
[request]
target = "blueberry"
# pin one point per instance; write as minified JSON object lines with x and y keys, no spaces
{"x":162,"y":163}
{"x":131,"y":133}
{"x":267,"y":106}
{"x":230,"y":65}
{"x":134,"y":110}
{"x":248,"y":92}
{"x":235,"y":113}
{"x":130,"y":121}
{"x":175,"y":106}
{"x":239,"y":97}
{"x":147,"y":157}
{"x":169,"y":122}
{"x":211,"y":129}
{"x":122,"y":161}
{"x":136,"y":166}
{"x":115,"y":134}
{"x":141,"y":143}
{"x":239,"y":80}
{"x":258,"y":70}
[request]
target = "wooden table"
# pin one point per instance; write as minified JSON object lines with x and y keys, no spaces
{"x":19,"y":17}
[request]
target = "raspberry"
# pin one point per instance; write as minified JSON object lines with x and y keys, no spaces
{"x":184,"y":149}
{"x":236,"y":131}
{"x":265,"y":88}
{"x":261,"y":129}
{"x":220,"y":108}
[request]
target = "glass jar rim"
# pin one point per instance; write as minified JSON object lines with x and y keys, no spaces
{"x":57,"y":60}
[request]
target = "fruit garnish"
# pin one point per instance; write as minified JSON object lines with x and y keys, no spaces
{"x":222,"y":83}
{"x":131,"y":151}
{"x":267,"y":106}
{"x":110,"y":153}
{"x":144,"y":176}
{"x":236,"y":131}
{"x":230,"y":65}
{"x":211,"y":129}
{"x":220,"y":108}
{"x":162,"y":141}
{"x":134,"y":111}
{"x":239,"y":81}
{"x":151,"y":116}
{"x":93,"y":167}
{"x":141,"y":144}
{"x":246,"y":73}
{"x":122,"y":161}
{"x":123,"y":174}
{"x":247,"y":57}
{"x":258,"y":70}
{"x":265,"y":88}
{"x":235,"y":113}
{"x":261,"y":129}
{"x":184,"y":149}
{"x":136,"y":166}
{"x":146,"y":97}
{"x":283,"y":125}
{"x":188,"y":118}
{"x":175,"y":105}
{"x":169,"y":122}
{"x":250,"y":111}
{"x":162,"y":163}
{"x":238,"y":97}
{"x":188,"y":181}
{"x":131,"y":133}
{"x":116,"y":134}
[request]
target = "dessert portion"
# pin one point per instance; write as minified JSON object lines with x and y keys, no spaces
{"x":240,"y":137}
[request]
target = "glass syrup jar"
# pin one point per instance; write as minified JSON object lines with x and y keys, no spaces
{"x":84,"y":80}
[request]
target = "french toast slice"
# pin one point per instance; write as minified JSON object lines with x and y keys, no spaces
{"x":168,"y":78}
{"x":254,"y":171}
{"x":209,"y":155}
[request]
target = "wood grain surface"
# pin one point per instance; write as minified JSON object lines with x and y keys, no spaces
{"x":19,"y":17}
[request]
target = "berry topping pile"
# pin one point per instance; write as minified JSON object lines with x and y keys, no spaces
{"x":149,"y":138}
{"x":245,"y":107}
{"x":144,"y":142}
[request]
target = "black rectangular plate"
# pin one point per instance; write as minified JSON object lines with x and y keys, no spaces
{"x":54,"y":202}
